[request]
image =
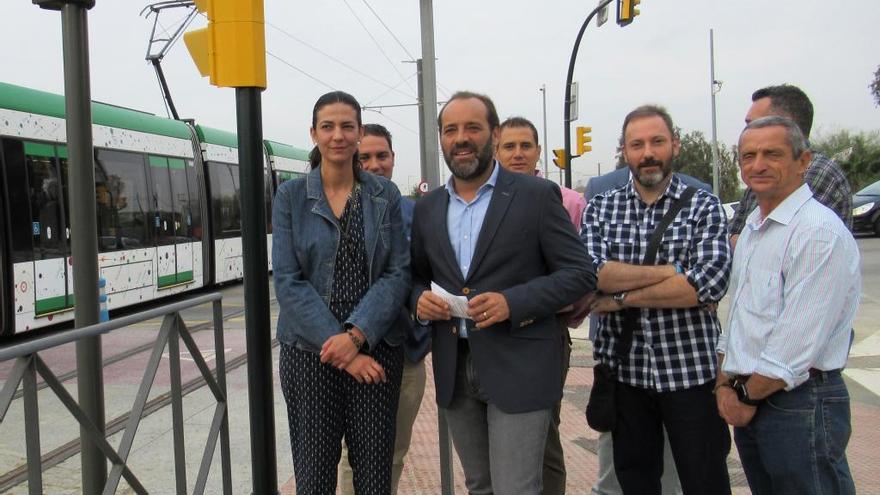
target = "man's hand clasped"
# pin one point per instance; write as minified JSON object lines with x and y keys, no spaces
{"x":488,"y":309}
{"x":485,"y":309}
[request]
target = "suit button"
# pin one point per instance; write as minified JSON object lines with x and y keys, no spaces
{"x":454,"y":330}
{"x":465,"y":291}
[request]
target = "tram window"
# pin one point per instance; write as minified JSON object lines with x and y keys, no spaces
{"x":19,"y":202}
{"x":225,"y":203}
{"x":123,"y":203}
{"x":194,"y":221}
{"x":44,"y":190}
{"x":180,"y":198}
{"x":163,"y":204}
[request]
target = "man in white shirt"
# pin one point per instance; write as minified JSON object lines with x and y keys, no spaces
{"x":795,"y":291}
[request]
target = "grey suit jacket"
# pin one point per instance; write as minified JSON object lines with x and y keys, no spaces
{"x":527,"y":251}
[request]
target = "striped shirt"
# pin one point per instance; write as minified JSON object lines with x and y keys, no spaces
{"x":674,"y":349}
{"x":795,"y":291}
{"x":826,"y":180}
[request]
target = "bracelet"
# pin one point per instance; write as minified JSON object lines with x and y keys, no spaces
{"x":357,"y":341}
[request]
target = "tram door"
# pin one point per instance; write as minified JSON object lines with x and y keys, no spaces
{"x":173,"y":220}
{"x":46,"y":170}
{"x":6,"y":324}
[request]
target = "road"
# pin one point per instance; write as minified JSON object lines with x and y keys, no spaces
{"x":863,"y":368}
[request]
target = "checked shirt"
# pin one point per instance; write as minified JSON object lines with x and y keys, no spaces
{"x":674,"y":349}
{"x":828,"y":184}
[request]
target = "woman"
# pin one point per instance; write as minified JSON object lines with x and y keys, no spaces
{"x":341,"y":271}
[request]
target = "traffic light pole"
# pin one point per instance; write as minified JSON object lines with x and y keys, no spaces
{"x":568,"y":80}
{"x":256,"y":289}
{"x":84,"y":243}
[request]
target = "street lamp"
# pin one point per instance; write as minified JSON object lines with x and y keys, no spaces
{"x":568,"y":80}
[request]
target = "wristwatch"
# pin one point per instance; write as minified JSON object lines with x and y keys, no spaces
{"x":742,"y":393}
{"x":619,"y":298}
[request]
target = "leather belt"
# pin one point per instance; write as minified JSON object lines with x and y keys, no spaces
{"x":814,"y":372}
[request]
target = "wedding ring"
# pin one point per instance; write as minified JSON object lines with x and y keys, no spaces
{"x":485,"y":316}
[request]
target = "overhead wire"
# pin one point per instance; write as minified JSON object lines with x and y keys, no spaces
{"x":414,"y":74}
{"x":393,"y":120}
{"x":338,"y":61}
{"x":376,"y":42}
{"x":301,"y":71}
{"x":379,"y":18}
{"x":446,"y":92}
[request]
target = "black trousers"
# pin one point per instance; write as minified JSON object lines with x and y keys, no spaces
{"x":325,"y":405}
{"x":699,"y":438}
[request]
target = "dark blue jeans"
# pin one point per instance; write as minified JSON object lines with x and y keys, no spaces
{"x":796,"y":443}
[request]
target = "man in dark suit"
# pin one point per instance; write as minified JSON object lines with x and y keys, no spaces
{"x":505,"y":243}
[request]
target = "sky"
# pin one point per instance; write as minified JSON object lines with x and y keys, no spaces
{"x":507,"y":49}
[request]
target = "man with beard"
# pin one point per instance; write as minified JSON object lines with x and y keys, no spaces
{"x":666,"y":378}
{"x":504,"y":243}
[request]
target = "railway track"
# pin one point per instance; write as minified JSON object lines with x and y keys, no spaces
{"x":18,"y":475}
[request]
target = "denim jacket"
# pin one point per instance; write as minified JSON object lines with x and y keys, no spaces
{"x":305,"y":238}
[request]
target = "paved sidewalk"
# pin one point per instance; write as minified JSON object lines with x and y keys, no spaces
{"x":421,"y":472}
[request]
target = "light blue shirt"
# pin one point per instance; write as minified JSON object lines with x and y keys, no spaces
{"x":463,"y":223}
{"x":795,"y":291}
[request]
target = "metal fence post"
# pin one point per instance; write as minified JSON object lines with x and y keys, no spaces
{"x":32,"y":428}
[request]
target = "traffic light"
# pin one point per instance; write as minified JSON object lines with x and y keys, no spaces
{"x":559,"y":158}
{"x":232,"y":49}
{"x":584,"y":138}
{"x":626,"y":11}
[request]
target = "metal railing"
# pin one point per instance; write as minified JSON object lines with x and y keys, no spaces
{"x":173,"y":329}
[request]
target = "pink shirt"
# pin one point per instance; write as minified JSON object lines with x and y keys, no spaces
{"x":574,"y":204}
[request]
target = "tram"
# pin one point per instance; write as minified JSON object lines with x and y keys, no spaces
{"x":167,"y":198}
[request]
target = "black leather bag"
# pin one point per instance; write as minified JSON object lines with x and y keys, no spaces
{"x":602,"y":406}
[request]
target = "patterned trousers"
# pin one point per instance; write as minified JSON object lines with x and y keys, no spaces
{"x":325,"y":405}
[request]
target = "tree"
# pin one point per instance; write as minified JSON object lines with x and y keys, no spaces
{"x":858,"y":155}
{"x":695,"y":159}
{"x":875,"y":87}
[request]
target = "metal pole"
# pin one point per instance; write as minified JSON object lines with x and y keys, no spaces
{"x":715,"y":167}
{"x":84,"y":241}
{"x":423,"y":158}
{"x":256,"y":290}
{"x":546,"y":145}
{"x":428,"y":79}
{"x":568,"y":79}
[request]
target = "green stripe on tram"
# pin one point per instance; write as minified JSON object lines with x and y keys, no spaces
{"x":52,"y":105}
{"x":286,"y":151}
{"x":53,"y":304}
{"x":39,"y":149}
{"x":174,"y":278}
{"x":216,"y":136}
{"x":158,"y":161}
{"x":176,"y":164}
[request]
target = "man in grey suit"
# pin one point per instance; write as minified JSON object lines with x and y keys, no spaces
{"x":606,"y":480}
{"x":505,"y":243}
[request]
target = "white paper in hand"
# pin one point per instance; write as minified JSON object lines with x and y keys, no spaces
{"x":458,"y":305}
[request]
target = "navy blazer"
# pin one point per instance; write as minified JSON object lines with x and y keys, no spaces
{"x":527,"y":251}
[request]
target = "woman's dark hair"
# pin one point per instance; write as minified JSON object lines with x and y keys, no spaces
{"x":329,"y":99}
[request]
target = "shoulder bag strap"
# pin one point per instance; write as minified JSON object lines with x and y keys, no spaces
{"x":631,"y":315}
